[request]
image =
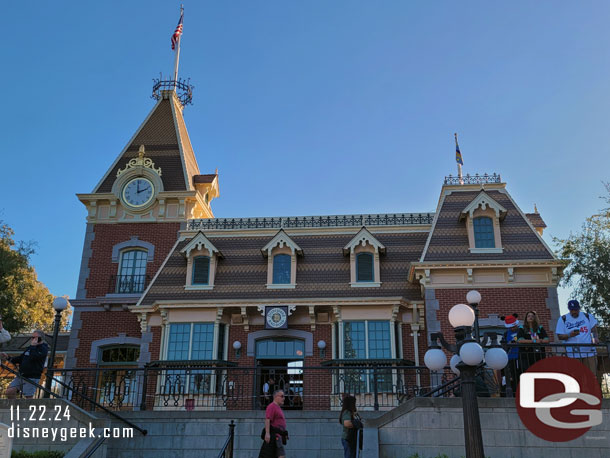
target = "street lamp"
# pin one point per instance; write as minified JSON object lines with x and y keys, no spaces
{"x":469,"y":356}
{"x":474,"y":299}
{"x":59,"y":304}
{"x":237,"y":348}
{"x":322,"y":347}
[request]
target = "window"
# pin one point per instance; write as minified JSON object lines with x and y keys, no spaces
{"x":364,"y":267}
{"x":132,"y":272}
{"x":281,"y":269}
{"x":278,"y":348}
{"x":202,"y":260}
{"x":364,"y":251}
{"x":117,"y":388}
{"x":483,"y":232}
{"x":354,"y":340}
{"x":190,"y":341}
{"x":281,"y":253}
{"x":201,"y":270}
{"x":367,"y":340}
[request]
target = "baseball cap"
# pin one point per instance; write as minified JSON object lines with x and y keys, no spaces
{"x":573,"y":305}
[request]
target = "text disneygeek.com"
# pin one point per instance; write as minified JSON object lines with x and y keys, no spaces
{"x":16,"y":431}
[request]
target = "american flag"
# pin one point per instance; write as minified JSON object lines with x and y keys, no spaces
{"x":177,"y":32}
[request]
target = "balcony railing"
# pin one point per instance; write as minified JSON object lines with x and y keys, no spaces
{"x":220,"y":385}
{"x":473,"y":179}
{"x":128,"y":284}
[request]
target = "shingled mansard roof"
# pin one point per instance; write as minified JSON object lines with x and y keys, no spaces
{"x":323,"y":271}
{"x":167,"y":143}
{"x":448,"y":239}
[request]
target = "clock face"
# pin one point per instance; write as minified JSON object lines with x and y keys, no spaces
{"x":276,"y":317}
{"x":138,"y":192}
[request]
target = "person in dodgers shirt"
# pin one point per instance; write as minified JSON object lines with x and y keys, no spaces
{"x":579,"y":328}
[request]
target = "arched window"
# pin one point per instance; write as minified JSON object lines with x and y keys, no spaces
{"x":117,"y":388}
{"x":483,"y":232}
{"x":364,"y":267}
{"x":132,"y":272}
{"x":201,"y":270}
{"x":281,"y":269}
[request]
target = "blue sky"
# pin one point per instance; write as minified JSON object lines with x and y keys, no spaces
{"x":306,"y":107}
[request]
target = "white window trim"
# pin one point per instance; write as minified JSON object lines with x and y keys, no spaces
{"x":281,"y":243}
{"x":484,"y":205}
{"x":364,"y":242}
{"x":200,"y":245}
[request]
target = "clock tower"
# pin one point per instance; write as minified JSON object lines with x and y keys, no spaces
{"x":134,"y":215}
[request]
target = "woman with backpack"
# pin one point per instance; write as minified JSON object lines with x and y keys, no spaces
{"x":351,"y":422}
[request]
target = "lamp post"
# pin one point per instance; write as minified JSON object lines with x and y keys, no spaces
{"x":469,"y":356}
{"x":59,"y":304}
{"x":474,"y":299}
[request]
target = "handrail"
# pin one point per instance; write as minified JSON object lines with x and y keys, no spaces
{"x":227,"y":449}
{"x":86,"y":398}
{"x":96,"y":445}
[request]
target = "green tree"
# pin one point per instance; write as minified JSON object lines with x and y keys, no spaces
{"x":25,"y":303}
{"x":588,"y":271}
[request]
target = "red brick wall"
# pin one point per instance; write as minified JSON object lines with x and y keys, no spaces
{"x":101,"y":325}
{"x":161,"y":235}
{"x":500,"y":301}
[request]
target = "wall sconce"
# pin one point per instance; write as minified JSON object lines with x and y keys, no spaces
{"x":322,"y":347}
{"x":237,"y":348}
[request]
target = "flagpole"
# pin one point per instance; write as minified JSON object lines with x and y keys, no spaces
{"x":459,"y":166}
{"x":178,"y":52}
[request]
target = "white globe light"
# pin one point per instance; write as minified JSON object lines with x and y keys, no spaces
{"x":473,"y":297}
{"x":471,"y":353}
{"x":435,"y":359}
{"x":321,"y":344}
{"x":60,"y":303}
{"x":237,"y":345}
{"x":455,"y":360}
{"x":461,"y":315}
{"x":496,"y":358}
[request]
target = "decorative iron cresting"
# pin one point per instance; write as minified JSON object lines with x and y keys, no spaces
{"x":473,"y":179}
{"x":183,"y":88}
{"x":394,"y":219}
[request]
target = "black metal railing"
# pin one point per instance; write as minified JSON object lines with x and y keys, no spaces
{"x":227,"y":449}
{"x":473,"y":179}
{"x":128,"y":284}
{"x":219,"y":385}
{"x":182,"y":87}
{"x":523,"y":355}
{"x":389,"y":219}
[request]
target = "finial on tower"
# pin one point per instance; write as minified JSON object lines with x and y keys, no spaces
{"x":535,"y":209}
{"x":182,"y":88}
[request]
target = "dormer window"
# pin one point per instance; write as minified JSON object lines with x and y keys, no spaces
{"x":201,"y":270}
{"x":281,"y":269}
{"x":364,"y":267}
{"x":483,"y":232}
{"x":202,"y":258}
{"x":482,"y":217}
{"x":281,"y":253}
{"x":364,"y":250}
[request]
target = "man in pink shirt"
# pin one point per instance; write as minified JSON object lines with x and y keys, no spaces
{"x":274,"y":418}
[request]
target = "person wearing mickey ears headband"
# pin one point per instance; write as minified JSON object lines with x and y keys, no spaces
{"x":31,"y":364}
{"x":4,"y":335}
{"x":511,"y":371}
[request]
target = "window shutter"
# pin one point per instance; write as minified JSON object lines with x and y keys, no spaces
{"x":364,"y":266}
{"x":201,"y":270}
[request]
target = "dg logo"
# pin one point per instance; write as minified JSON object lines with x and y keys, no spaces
{"x":558,"y":399}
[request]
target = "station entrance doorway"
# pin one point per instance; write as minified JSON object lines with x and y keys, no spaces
{"x":279,"y":363}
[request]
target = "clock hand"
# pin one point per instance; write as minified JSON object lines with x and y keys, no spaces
{"x":142,"y":190}
{"x":138,"y":186}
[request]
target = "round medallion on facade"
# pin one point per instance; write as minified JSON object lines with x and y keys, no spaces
{"x":276,"y":317}
{"x":138,"y":192}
